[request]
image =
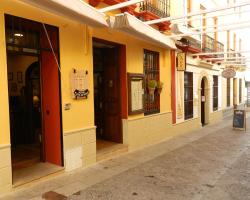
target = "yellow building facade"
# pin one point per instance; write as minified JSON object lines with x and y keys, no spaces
{"x":106,"y":56}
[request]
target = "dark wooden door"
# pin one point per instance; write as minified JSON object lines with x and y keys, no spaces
{"x":112,"y":108}
{"x":203,"y":102}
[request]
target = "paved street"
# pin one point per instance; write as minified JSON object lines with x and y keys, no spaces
{"x":212,"y":163}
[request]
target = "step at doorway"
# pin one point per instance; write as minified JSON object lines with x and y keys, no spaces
{"x":108,"y":150}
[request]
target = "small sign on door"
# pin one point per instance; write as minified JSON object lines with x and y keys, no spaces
{"x":203,"y":98}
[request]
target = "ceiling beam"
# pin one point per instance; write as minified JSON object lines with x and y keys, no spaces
{"x":198,"y":13}
{"x":212,"y":31}
{"x":219,"y":25}
{"x":218,"y":53}
{"x":196,"y":18}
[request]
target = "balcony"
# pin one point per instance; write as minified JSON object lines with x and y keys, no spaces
{"x":220,"y":48}
{"x":208,"y":44}
{"x":150,"y":10}
{"x":188,"y":45}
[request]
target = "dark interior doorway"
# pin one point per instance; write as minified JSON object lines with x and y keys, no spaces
{"x":203,"y":99}
{"x":25,"y":110}
{"x":107,"y":91}
{"x":34,"y":93}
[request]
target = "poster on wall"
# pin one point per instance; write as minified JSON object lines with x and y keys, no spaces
{"x":79,"y":84}
{"x":181,"y":61}
{"x":135,"y":93}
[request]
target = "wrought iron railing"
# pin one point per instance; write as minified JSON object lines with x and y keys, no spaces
{"x":220,"y":48}
{"x":160,"y":8}
{"x":208,"y":43}
{"x":190,"y":43}
{"x":195,"y":44}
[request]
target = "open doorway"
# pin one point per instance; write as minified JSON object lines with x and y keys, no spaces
{"x":235,"y":93}
{"x":107,"y":98}
{"x":204,"y":101}
{"x":25,"y":110}
{"x":34,"y":99}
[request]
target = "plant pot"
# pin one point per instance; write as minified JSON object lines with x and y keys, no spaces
{"x":151,"y":91}
{"x":159,"y":90}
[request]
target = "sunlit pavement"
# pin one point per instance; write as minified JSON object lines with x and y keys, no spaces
{"x":212,"y":163}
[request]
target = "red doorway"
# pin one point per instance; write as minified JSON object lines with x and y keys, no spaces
{"x":110,"y":94}
{"x":35,"y":101}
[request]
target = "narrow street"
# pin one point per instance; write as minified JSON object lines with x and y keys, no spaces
{"x":212,"y":163}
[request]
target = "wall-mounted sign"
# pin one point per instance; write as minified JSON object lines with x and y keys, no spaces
{"x":79,"y":79}
{"x":181,"y":61}
{"x":228,"y":73}
{"x":135,"y":93}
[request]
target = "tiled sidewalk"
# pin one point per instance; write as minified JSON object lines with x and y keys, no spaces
{"x":184,"y":167}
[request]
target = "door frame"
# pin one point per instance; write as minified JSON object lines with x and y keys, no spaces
{"x":39,"y":28}
{"x":122,"y":73}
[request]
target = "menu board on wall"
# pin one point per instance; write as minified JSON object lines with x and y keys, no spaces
{"x":79,"y":84}
{"x":135,"y":93}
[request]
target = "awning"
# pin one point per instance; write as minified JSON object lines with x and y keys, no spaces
{"x":135,"y":27}
{"x":179,"y":29}
{"x":76,"y":10}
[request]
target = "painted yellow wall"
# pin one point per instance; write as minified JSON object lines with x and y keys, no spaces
{"x":4,"y":105}
{"x":76,"y":52}
{"x":134,"y":60}
{"x":73,"y":54}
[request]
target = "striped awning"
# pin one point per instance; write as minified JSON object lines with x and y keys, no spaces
{"x":76,"y":10}
{"x":180,"y":29}
{"x":135,"y":27}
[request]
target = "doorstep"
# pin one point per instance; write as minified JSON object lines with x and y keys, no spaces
{"x":107,"y":150}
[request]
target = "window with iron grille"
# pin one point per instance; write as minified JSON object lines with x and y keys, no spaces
{"x":215,"y":93}
{"x":228,"y":92}
{"x":188,"y":95}
{"x":240,"y":90}
{"x":151,"y":72}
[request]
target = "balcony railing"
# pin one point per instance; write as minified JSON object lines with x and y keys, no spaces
{"x":195,"y":44}
{"x":208,"y":43}
{"x":160,"y":8}
{"x":189,"y":45}
{"x":220,"y":48}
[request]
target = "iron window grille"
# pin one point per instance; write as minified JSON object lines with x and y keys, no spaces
{"x":188,"y":95}
{"x":151,"y":72}
{"x":215,"y":93}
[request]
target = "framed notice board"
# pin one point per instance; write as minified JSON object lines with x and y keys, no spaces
{"x":135,"y":93}
{"x":239,"y":120}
